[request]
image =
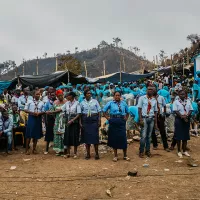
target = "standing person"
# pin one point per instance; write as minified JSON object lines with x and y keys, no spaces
{"x":183,"y":109}
{"x":147,"y":106}
{"x":117,"y":125}
{"x":6,"y":125}
{"x":72,"y":111}
{"x":35,"y":109}
{"x":58,"y":135}
{"x":7,"y":96}
{"x":49,"y":121}
{"x":90,"y":123}
{"x":161,"y":105}
{"x":21,"y":104}
{"x":15,"y":97}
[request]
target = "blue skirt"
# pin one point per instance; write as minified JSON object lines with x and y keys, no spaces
{"x":182,"y":129}
{"x":34,"y":127}
{"x":90,"y":132}
{"x":117,"y":133}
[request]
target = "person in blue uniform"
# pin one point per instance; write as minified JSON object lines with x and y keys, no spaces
{"x":90,"y":123}
{"x":117,"y":125}
{"x":147,"y":107}
{"x":165,"y":93}
{"x":35,"y":109}
{"x":183,"y":109}
{"x":49,"y":121}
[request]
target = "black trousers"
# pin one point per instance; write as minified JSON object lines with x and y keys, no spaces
{"x":19,"y":129}
{"x":161,"y":126}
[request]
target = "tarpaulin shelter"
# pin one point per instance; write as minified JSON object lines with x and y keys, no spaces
{"x":4,"y":85}
{"x":54,"y":79}
{"x":125,"y":77}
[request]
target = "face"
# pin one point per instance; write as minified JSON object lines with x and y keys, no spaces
{"x":37,"y":95}
{"x":14,"y":109}
{"x":70,"y":98}
{"x":88,"y":95}
{"x":53,"y":96}
{"x":26,"y":91}
{"x":5,"y":115}
{"x":150,"y":91}
{"x":117,"y":96}
{"x":60,"y":97}
{"x":182,"y":95}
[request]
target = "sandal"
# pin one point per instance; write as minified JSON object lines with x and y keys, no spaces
{"x":27,"y":153}
{"x":115,"y":159}
{"x":97,"y":157}
{"x":127,"y":158}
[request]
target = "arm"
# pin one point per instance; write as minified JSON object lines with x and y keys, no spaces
{"x":10,"y":127}
{"x":105,"y":109}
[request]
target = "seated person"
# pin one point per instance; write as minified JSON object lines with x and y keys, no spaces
{"x":18,"y":125}
{"x":6,"y":125}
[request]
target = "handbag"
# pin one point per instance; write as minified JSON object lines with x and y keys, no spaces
{"x":61,"y":125}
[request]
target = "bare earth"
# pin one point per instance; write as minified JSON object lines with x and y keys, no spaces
{"x":50,"y":177}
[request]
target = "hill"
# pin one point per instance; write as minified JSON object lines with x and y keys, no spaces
{"x":94,"y":60}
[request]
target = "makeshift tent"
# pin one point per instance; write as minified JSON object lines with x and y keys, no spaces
{"x":54,"y":79}
{"x":4,"y":85}
{"x":125,"y":77}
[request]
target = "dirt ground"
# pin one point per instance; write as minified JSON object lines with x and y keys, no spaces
{"x":49,"y":177}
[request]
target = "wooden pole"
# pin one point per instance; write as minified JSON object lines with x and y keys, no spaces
{"x":157,"y":64}
{"x":124,"y":64}
{"x":120,"y":69}
{"x":104,"y":67}
{"x":172,"y":70}
{"x":85,"y":69}
{"x":56,"y":63}
{"x":37,"y":66}
{"x":23,"y":68}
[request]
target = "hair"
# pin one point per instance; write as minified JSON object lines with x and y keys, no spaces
{"x":117,"y":92}
{"x":73,"y":94}
{"x":86,"y":91}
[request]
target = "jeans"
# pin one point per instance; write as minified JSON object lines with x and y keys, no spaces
{"x":145,"y":134}
{"x":161,"y":126}
{"x":9,"y":136}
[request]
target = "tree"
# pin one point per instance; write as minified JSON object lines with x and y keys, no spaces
{"x":162,"y":57}
{"x":136,"y":50}
{"x":193,"y":38}
{"x":76,"y":49}
{"x":103,"y":44}
{"x":68,"y":62}
{"x":116,"y":41}
{"x":68,"y":52}
{"x":45,"y":55}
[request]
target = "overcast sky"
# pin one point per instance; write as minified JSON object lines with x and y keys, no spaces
{"x":28,"y":28}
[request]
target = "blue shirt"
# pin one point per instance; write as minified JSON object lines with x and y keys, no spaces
{"x":133,"y":111}
{"x":6,"y":125}
{"x":126,"y":90}
{"x":196,"y":89}
{"x":90,"y":107}
{"x":143,"y":104}
{"x":34,"y":106}
{"x":22,"y":101}
{"x":165,"y":94}
{"x":195,"y":108}
{"x":48,"y":105}
{"x":113,"y":107}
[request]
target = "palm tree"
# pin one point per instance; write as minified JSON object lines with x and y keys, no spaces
{"x":116,"y":41}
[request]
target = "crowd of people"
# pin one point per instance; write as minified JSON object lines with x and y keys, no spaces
{"x":72,"y":115}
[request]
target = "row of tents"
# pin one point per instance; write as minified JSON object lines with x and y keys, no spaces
{"x":57,"y":78}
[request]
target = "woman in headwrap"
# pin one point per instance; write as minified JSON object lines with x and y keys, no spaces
{"x":59,"y":123}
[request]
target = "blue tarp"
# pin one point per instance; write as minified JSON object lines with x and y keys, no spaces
{"x":125,"y":77}
{"x":4,"y":85}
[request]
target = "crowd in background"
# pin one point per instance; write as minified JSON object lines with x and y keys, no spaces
{"x":71,"y":115}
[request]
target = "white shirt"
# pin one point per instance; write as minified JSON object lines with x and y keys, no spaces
{"x":161,"y":103}
{"x":182,"y":106}
{"x":71,"y":107}
{"x":34,"y":106}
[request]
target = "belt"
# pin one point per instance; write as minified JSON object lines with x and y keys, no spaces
{"x":116,"y":116}
{"x":150,"y":117}
{"x":95,"y":114}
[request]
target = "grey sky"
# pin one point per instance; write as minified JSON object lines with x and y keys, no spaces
{"x":28,"y":28}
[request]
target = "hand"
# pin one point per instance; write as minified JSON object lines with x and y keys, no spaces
{"x":1,"y":133}
{"x":156,"y":127}
{"x":99,"y":124}
{"x":70,"y":122}
{"x":36,"y":114}
{"x":80,"y":124}
{"x":48,"y":112}
{"x":183,"y":116}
